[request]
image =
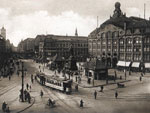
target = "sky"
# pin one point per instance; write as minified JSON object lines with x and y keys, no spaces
{"x":28,"y":18}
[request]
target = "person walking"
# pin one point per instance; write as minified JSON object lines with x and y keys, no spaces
{"x":25,"y":95}
{"x":81,"y":103}
{"x":76,"y":87}
{"x":4,"y":106}
{"x":41,"y":94}
{"x":32,"y":79}
{"x":102,"y":87}
{"x":7,"y":109}
{"x":95,"y":94}
{"x":9,"y":77}
{"x":28,"y":97}
{"x":116,"y":94}
{"x":30,"y":87}
{"x":115,"y":75}
{"x":140,"y":78}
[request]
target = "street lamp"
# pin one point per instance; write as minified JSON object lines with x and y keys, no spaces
{"x":22,"y":90}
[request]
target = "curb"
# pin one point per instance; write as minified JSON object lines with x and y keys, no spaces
{"x":27,"y":107}
{"x":102,"y":84}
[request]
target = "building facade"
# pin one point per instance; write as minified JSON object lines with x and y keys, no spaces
{"x":60,"y":45}
{"x":122,"y":41}
{"x":26,"y":47}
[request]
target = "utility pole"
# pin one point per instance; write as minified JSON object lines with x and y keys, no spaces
{"x":22,"y":89}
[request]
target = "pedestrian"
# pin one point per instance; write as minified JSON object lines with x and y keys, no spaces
{"x":140,"y":78}
{"x":25,"y":95}
{"x":27,"y":86}
{"x":76,"y":87}
{"x":7,"y":110}
{"x":9,"y":77}
{"x":76,"y":78}
{"x":32,"y":80}
{"x":95,"y":94}
{"x":102,"y":87}
{"x":4,"y":106}
{"x":81,"y":103}
{"x":29,"y":97}
{"x":142,"y":74}
{"x":50,"y":102}
{"x":116,"y":94}
{"x":115,"y":75}
{"x":30,"y":87}
{"x":41,"y":94}
{"x":20,"y":97}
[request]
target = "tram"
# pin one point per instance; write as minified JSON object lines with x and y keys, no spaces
{"x":55,"y":82}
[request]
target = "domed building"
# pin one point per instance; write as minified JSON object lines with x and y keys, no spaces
{"x":122,"y":41}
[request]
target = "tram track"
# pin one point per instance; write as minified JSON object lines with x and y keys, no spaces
{"x":10,"y":87}
{"x":55,"y":94}
{"x":54,"y":98}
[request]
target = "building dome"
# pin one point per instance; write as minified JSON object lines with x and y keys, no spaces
{"x":117,"y":5}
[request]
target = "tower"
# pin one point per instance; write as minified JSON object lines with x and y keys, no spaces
{"x":3,"y":32}
{"x":76,"y":32}
{"x":117,"y":11}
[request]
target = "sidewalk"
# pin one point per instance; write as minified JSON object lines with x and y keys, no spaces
{"x":19,"y":107}
{"x":97,"y":83}
{"x":9,"y":92}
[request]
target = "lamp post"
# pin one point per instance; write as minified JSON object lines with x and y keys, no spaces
{"x":22,"y":89}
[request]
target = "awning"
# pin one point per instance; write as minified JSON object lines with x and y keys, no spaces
{"x":123,"y":63}
{"x":147,"y":65}
{"x":135,"y":64}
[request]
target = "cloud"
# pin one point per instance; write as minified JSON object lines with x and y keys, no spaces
{"x":28,"y":18}
{"x":29,"y":25}
{"x":133,"y":11}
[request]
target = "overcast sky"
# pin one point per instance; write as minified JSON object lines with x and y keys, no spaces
{"x":28,"y":18}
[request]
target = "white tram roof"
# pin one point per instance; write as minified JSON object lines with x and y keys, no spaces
{"x":54,"y":77}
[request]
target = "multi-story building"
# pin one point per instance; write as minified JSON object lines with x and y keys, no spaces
{"x":60,"y":45}
{"x":26,"y":47}
{"x":20,"y":47}
{"x":122,"y":41}
{"x":37,"y":40}
{"x":3,"y":56}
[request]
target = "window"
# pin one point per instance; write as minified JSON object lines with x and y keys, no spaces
{"x":121,"y":41}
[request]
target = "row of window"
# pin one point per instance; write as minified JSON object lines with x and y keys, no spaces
{"x":110,"y":34}
{"x":136,"y":57}
{"x":147,"y":57}
{"x":66,"y":45}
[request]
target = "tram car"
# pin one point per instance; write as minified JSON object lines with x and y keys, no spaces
{"x":55,"y":82}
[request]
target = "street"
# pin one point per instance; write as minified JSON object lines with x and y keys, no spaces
{"x":134,"y":98}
